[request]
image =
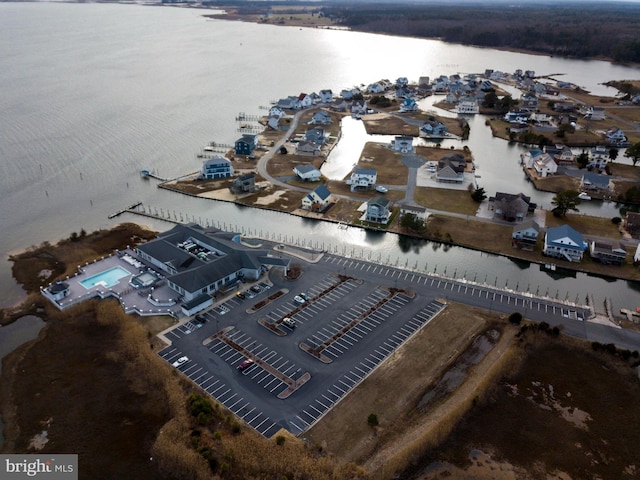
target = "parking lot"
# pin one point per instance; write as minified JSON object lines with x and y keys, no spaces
{"x":345,"y":318}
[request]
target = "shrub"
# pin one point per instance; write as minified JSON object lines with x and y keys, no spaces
{"x":616,"y":220}
{"x":515,"y":318}
{"x":372,"y":420}
{"x":280,"y":439}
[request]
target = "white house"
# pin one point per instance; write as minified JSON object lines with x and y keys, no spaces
{"x":375,"y":88}
{"x":544,"y":165}
{"x":363,"y":178}
{"x":276,"y":111}
{"x":402,"y":82}
{"x":564,"y":242}
{"x":525,"y":234}
{"x":402,"y":144}
{"x":215,"y":167}
{"x":304,"y":100}
{"x":595,"y":113}
{"x":467,"y":106}
{"x":598,"y":157}
{"x":307,"y":172}
{"x":317,"y":200}
{"x":615,"y":136}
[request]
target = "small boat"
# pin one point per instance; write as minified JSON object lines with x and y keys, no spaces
{"x":145,"y":173}
{"x":584,"y":196}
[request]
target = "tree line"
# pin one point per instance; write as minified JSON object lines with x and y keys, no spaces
{"x":578,"y":30}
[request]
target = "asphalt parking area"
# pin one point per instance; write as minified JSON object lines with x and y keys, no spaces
{"x":356,"y":314}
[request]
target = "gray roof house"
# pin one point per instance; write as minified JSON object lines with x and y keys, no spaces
{"x":378,"y":210}
{"x":320,"y":118}
{"x":509,"y":206}
{"x":525,"y":235}
{"x":363,"y":178}
{"x":307,"y":172}
{"x":564,"y":242}
{"x":596,"y":183}
{"x":608,"y":252}
{"x":244,"y":184}
{"x":199,"y":262}
{"x":315,"y":135}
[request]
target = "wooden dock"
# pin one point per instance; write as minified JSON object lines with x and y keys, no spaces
{"x":128,"y":209}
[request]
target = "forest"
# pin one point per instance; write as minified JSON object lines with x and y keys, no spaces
{"x":606,"y":30}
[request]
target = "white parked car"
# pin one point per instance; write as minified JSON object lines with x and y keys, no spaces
{"x":381,"y":189}
{"x":298,"y":299}
{"x":180,"y":361}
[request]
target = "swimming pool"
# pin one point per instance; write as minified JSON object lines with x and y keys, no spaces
{"x":108,"y":278}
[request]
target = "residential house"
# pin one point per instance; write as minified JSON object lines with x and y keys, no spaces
{"x":529,"y":101}
{"x":451,"y":169}
{"x":218,"y":260}
{"x":561,"y":154}
{"x":304,"y":100}
{"x":308,"y":148}
{"x":215,"y":167}
{"x":402,"y":144}
{"x":320,"y":117}
{"x":433,"y":129}
{"x":598,"y":158}
{"x":404,"y":92}
{"x":307,"y":172}
{"x":408,"y":105}
{"x":486,"y":86}
{"x":615,"y":136}
{"x":608,"y":252}
{"x":632,"y":224}
{"x":544,"y":165}
{"x":564,"y":106}
{"x":518,"y":128}
{"x":315,"y":135}
{"x":244,"y":184}
{"x":595,"y":113}
{"x":375,"y":88}
{"x":402,"y":82}
{"x":418,"y":211}
{"x":315,"y":98}
{"x":564,"y":242}
{"x":273,"y":122}
{"x":339,"y":105}
{"x":467,"y":106}
{"x":326,"y":96}
{"x":509,"y":206}
{"x":378,"y":210}
{"x":517,"y":116}
{"x":358,"y":107}
{"x":317,"y":200}
{"x":424,"y":82}
{"x":246,"y":144}
{"x":289,"y":103}
{"x":525,"y":234}
{"x":276,"y":111}
{"x":596,"y":183}
{"x":348,"y":94}
{"x":363,"y":179}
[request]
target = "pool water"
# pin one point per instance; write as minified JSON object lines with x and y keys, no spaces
{"x":108,"y":278}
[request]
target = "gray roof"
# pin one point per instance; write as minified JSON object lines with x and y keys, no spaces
{"x":366,"y":171}
{"x":596,"y":179}
{"x":305,"y":168}
{"x":322,"y":192}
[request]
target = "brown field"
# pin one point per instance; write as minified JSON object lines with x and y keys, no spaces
{"x":456,"y":201}
{"x":556,"y":183}
{"x":383,"y":124}
{"x":391,"y":170}
{"x":586,"y":225}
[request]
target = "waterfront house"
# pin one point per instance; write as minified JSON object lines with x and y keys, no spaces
{"x":525,"y":234}
{"x":564,"y":242}
{"x":598,"y":158}
{"x":218,"y":261}
{"x":315,"y":135}
{"x":561,"y":154}
{"x":509,"y":207}
{"x":615,"y":136}
{"x":304,"y":100}
{"x":273,"y":122}
{"x":451,"y":169}
{"x":529,"y":101}
{"x":408,"y":105}
{"x":363,"y":179}
{"x":289,"y":103}
{"x":596,"y":183}
{"x":378,"y":210}
{"x":544,"y":165}
{"x":307,"y":172}
{"x":608,"y":252}
{"x":375,"y":88}
{"x":276,"y":111}
{"x":467,"y":106}
{"x":326,"y":96}
{"x":317,"y":200}
{"x":402,"y":144}
{"x":315,"y":98}
{"x":433,"y":128}
{"x":215,"y":167}
{"x":308,"y":148}
{"x":402,"y":82}
{"x":517,"y":116}
{"x":632,"y":224}
{"x":246,"y":144}
{"x":418,"y":211}
{"x":320,"y":117}
{"x":244,"y":184}
{"x":358,"y":108}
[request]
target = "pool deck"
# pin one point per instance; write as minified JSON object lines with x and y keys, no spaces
{"x":159,"y":300}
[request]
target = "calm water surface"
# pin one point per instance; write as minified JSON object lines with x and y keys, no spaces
{"x":90,"y":94}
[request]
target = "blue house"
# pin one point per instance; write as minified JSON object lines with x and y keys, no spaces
{"x":246,"y":144}
{"x":564,"y":242}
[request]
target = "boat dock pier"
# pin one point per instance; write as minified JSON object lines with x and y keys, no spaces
{"x":149,"y":174}
{"x":128,"y":209}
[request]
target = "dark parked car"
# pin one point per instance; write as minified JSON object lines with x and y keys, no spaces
{"x":244,"y":365}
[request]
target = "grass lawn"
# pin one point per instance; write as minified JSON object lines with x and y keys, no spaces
{"x":457,"y":201}
{"x":556,"y":183}
{"x":383,"y":124}
{"x":586,"y":225}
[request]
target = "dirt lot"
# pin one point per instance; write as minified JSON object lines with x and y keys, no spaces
{"x":391,"y":170}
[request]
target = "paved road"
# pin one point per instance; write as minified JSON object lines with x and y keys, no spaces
{"x":253,"y":394}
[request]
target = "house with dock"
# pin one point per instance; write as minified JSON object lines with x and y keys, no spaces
{"x":215,"y":167}
{"x":378,"y":210}
{"x":317,"y":200}
{"x":246,"y":144}
{"x":564,"y":242}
